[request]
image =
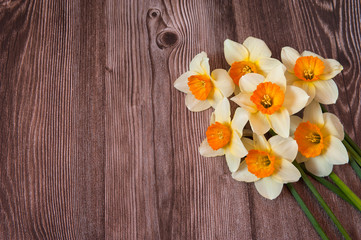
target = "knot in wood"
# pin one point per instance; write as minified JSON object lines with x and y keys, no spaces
{"x":167,"y":38}
{"x":153,"y":13}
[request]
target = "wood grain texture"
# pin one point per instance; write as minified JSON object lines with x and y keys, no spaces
{"x":52,"y":121}
{"x":96,"y":143}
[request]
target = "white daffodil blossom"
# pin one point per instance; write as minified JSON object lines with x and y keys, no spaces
{"x":312,"y":73}
{"x":253,"y":56}
{"x":202,"y":88}
{"x":223,"y":135}
{"x":269,"y":101}
{"x":268,"y":164}
{"x":319,"y":137}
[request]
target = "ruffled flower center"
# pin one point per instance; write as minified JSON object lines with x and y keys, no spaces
{"x":260,"y":163}
{"x":241,"y":68}
{"x":268,"y":97}
{"x":200,"y":86}
{"x":218,"y":135}
{"x":309,"y":139}
{"x":309,"y":68}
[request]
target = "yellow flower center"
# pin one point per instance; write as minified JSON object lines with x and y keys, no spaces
{"x":309,"y":139}
{"x":200,"y":86}
{"x":268,"y":97}
{"x":260,"y":163}
{"x":309,"y":68}
{"x":218,"y":135}
{"x":239,"y":69}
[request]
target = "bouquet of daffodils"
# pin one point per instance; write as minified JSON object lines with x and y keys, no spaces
{"x":269,"y":93}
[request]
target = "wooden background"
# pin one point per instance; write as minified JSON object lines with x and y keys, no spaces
{"x":96,"y":143}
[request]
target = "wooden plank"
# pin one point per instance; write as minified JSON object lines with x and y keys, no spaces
{"x":129,"y":183}
{"x":348,"y":39}
{"x":52,"y":120}
{"x":131,"y":171}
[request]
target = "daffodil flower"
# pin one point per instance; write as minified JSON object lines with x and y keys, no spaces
{"x":268,"y":164}
{"x":319,"y":138}
{"x":202,"y":88}
{"x":223,"y":135}
{"x":269,"y":102}
{"x":253,"y":56}
{"x":312,"y":73}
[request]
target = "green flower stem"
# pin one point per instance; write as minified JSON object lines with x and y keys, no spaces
{"x":351,"y":195}
{"x":322,"y":202}
{"x":307,"y":212}
{"x":355,"y":167}
{"x":323,"y":108}
{"x":331,"y":187}
{"x":352,"y":152}
{"x":353,"y":144}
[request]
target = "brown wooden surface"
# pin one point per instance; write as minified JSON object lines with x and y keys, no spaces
{"x":95,"y":143}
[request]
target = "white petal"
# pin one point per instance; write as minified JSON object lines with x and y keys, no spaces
{"x":223,"y":82}
{"x":261,"y":143}
{"x":240,"y":119}
{"x":287,"y":172}
{"x":244,"y":100}
{"x":243,"y":175}
{"x":277,"y":76}
{"x":332,"y":126}
{"x":248,"y":143}
{"x":336,"y":152}
{"x":236,"y":147}
{"x":332,"y":68}
{"x":223,"y":112}
{"x":206,"y":150}
{"x":268,"y":187}
{"x":313,"y":113}
{"x":291,"y":78}
{"x":200,"y":64}
{"x":280,"y":122}
{"x":182,"y":82}
{"x":234,"y":52}
{"x":259,"y":123}
{"x":215,"y":98}
{"x":289,"y":57}
{"x":326,"y":91}
{"x":319,"y":166}
{"x":257,"y":49}
{"x":196,"y":105}
{"x":308,"y":87}
{"x":232,"y":162}
{"x":308,"y":53}
{"x":212,"y":119}
{"x":295,"y":121}
{"x":295,"y":99}
{"x":284,"y":147}
{"x":248,"y":83}
{"x":266,"y":65}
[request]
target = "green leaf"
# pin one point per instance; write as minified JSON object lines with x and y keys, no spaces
{"x":322,"y":202}
{"x":307,"y":212}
